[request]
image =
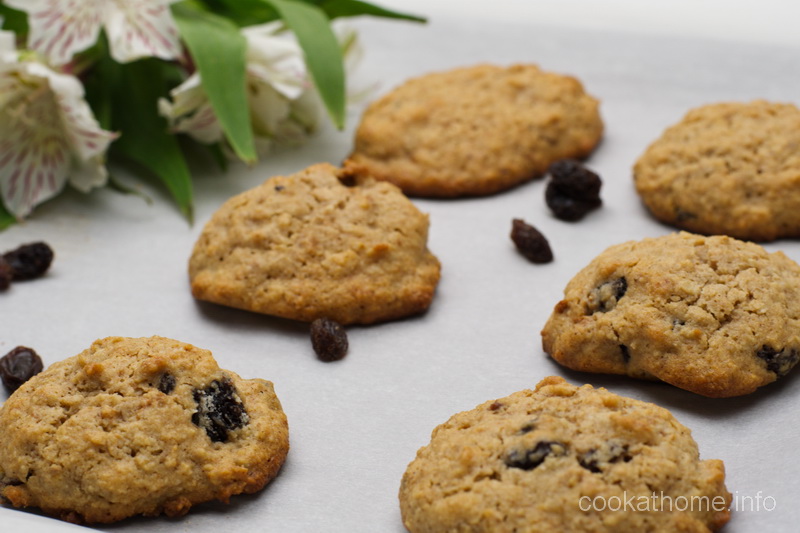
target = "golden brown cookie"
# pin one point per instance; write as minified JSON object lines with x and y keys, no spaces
{"x":713,"y":315}
{"x":310,"y":246}
{"x":474,"y":131}
{"x":563,"y":458}
{"x":138,"y":426}
{"x":730,"y":169}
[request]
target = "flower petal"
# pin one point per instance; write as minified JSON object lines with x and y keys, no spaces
{"x":141,"y":28}
{"x":34,"y":154}
{"x":61,"y":28}
{"x":276,"y":60}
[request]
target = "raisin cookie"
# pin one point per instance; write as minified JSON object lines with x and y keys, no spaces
{"x":137,"y":426}
{"x":474,"y":131}
{"x":563,"y":458}
{"x":312,"y":245}
{"x":728,"y":168}
{"x":712,"y":315}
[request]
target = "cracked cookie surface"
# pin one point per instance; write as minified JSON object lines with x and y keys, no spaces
{"x":712,"y":315}
{"x":312,"y":245}
{"x":474,"y":131}
{"x":138,"y":426}
{"x":728,"y":168}
{"x":547,"y":459}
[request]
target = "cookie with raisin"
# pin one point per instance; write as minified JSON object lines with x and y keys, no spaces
{"x":317,"y":245}
{"x":562,"y":458}
{"x":474,"y":131}
{"x":729,"y":169}
{"x":137,"y":427}
{"x":713,"y":315}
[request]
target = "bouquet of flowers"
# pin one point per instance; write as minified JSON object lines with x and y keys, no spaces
{"x":82,"y":81}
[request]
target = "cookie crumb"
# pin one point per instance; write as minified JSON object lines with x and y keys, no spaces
{"x":329,"y":340}
{"x":530,"y":242}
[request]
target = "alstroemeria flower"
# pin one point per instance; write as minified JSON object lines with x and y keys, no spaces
{"x":48,"y":134}
{"x":135,"y":28}
{"x":281,"y":97}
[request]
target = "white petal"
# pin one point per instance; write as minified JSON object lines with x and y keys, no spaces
{"x":141,"y":28}
{"x":202,"y":125}
{"x":267,"y":108}
{"x":190,"y":112}
{"x":8,"y":42}
{"x":34,"y":153}
{"x":276,"y":60}
{"x":61,"y":28}
{"x":85,"y":175}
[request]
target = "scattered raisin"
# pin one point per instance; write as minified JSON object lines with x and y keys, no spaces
{"x":29,"y":261}
{"x":527,"y":428}
{"x":494,"y":406}
{"x":329,"y":340}
{"x":18,"y":366}
{"x":573,"y":190}
{"x":167,"y":383}
{"x":530,"y":242}
{"x":219,"y":410}
{"x":6,"y":274}
{"x":279,"y":188}
{"x":609,"y":454}
{"x":780,"y":362}
{"x":530,"y":459}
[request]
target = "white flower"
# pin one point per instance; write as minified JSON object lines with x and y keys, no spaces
{"x":280,"y":95}
{"x":48,"y":133}
{"x":135,"y":28}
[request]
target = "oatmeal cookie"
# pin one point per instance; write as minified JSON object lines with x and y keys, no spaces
{"x":312,"y":245}
{"x":474,"y":131}
{"x":728,"y":168}
{"x":712,"y":315}
{"x":563,"y":458}
{"x":137,"y":426}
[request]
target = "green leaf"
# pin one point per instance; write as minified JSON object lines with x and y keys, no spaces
{"x":6,"y":218}
{"x":219,"y":51}
{"x":13,"y":20}
{"x":353,"y":8}
{"x":323,"y":54}
{"x":242,"y":12}
{"x":144,"y":137}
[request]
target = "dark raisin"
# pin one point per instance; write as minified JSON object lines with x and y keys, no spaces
{"x":527,"y":428}
{"x":219,"y":410}
{"x":683,"y":216}
{"x":6,"y":274}
{"x":494,"y":406}
{"x":29,"y":261}
{"x":328,"y":339}
{"x":604,"y":298}
{"x":573,"y":190}
{"x":279,"y":188}
{"x":167,"y":383}
{"x":18,"y":366}
{"x":530,"y":242}
{"x":780,"y":362}
{"x":611,"y":453}
{"x":626,"y":354}
{"x":530,"y":459}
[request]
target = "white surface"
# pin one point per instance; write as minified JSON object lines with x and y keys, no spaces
{"x":120,"y":269}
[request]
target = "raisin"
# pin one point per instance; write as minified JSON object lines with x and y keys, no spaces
{"x":219,"y":410}
{"x":780,"y":362}
{"x":530,"y":242}
{"x":530,"y":459}
{"x":604,"y":298}
{"x":494,"y":406}
{"x":527,"y":428}
{"x":6,"y":274}
{"x":279,"y":188}
{"x":626,"y":354}
{"x":29,"y":261}
{"x":609,"y":454}
{"x":329,"y":340}
{"x":573,"y":190}
{"x":18,"y":366}
{"x":167,"y":383}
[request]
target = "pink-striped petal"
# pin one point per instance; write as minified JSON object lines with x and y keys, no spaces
{"x":61,"y":28}
{"x":141,"y":28}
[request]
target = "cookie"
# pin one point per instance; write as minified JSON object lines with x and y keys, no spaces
{"x":712,"y":315}
{"x":137,"y":426}
{"x":312,"y":245}
{"x":728,"y":168}
{"x":563,"y":458}
{"x":474,"y":131}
